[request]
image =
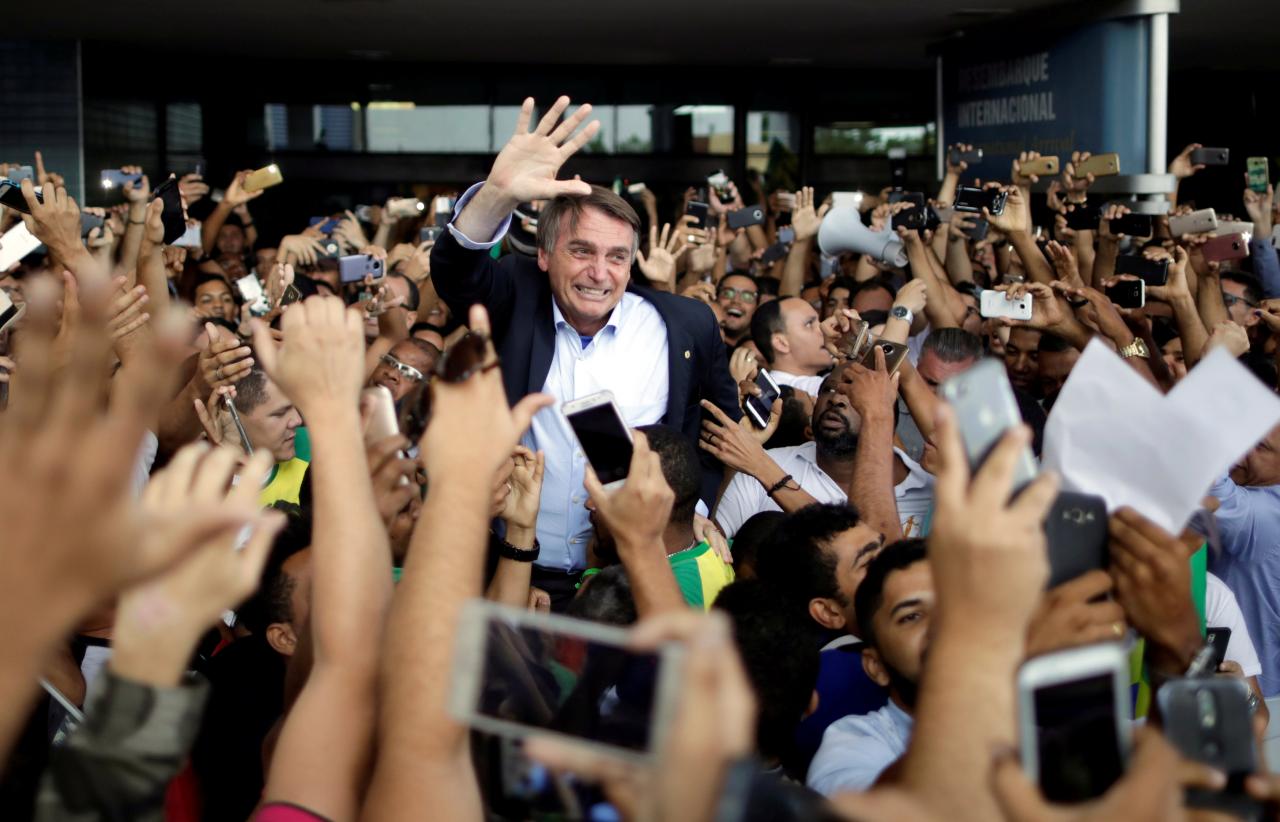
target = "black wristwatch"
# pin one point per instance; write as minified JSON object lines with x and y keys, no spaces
{"x":509,"y":551}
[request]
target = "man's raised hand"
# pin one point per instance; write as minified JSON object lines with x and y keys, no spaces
{"x":526,"y":167}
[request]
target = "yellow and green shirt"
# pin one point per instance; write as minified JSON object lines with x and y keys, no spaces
{"x":285,"y":483}
{"x":701,"y":574}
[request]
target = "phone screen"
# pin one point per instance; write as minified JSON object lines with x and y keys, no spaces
{"x":762,"y":406}
{"x":1127,"y":293}
{"x":700,"y":211}
{"x":604,"y":440}
{"x":973,"y":200}
{"x":537,"y":678}
{"x":1076,"y":736}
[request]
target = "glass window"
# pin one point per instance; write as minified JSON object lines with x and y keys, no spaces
{"x":406,"y":127}
{"x":184,"y":128}
{"x":623,"y":130}
{"x":275,"y":117}
{"x":870,"y":139}
{"x":335,"y":126}
{"x":710,"y":128}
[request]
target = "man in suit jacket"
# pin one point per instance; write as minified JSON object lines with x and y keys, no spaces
{"x":571,"y":323}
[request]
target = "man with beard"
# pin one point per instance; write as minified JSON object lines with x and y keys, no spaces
{"x":893,"y":605}
{"x":738,"y":297}
{"x":824,"y":468}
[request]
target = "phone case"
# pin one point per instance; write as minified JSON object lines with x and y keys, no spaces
{"x":1259,"y":171}
{"x":1211,"y":156}
{"x":760,"y":408}
{"x":1197,"y":222}
{"x":894,"y":354}
{"x":1233,"y":227}
{"x":1151,"y":272}
{"x":997,"y":304}
{"x":743,"y":217}
{"x":1041,"y":166}
{"x":263,"y":178}
{"x":354,"y":267}
{"x":1076,"y":532}
{"x":1119,"y":294}
{"x":1099,"y":165}
{"x":1083,"y":218}
{"x":985,"y":409}
{"x":1219,"y":638}
{"x":701,"y":211}
{"x":1227,"y":247}
{"x":1208,"y":721}
{"x":174,"y":216}
{"x":1134,"y":225}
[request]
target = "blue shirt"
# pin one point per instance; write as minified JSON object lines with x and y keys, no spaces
{"x":628,"y":357}
{"x":857,"y":749}
{"x":1266,"y":265}
{"x":1249,"y":563}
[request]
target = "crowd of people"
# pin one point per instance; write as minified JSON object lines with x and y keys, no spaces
{"x":233,"y":589}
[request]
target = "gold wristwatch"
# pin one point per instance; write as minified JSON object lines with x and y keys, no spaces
{"x":1137,"y":348}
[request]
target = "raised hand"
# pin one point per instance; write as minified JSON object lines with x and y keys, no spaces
{"x":322,"y":359}
{"x":739,"y":445}
{"x":743,"y":365}
{"x":1228,"y":335}
{"x":1181,"y":166}
{"x":1016,"y":217}
{"x":1259,"y":208}
{"x":55,"y":221}
{"x":235,"y":194}
{"x":1176,"y":286}
{"x":219,"y":428}
{"x":1018,"y":178}
{"x":193,"y":188}
{"x":664,"y":251}
{"x":392,"y":474}
{"x":1077,"y":612}
{"x":226,"y":360}
{"x":1076,"y":188}
{"x":956,"y":169}
{"x":805,"y":219}
{"x":128,"y":312}
{"x":520,"y":509}
{"x":526,"y":167}
{"x":1153,"y":583}
{"x":139,"y":192}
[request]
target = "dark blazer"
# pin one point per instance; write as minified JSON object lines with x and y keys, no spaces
{"x":518,"y":296}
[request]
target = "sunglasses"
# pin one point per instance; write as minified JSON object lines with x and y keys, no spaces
{"x":745,"y":296}
{"x":407,"y":371}
{"x":466,"y":358}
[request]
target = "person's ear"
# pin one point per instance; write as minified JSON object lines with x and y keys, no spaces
{"x":874,"y":668}
{"x":781,"y":345}
{"x":543,"y":260}
{"x":814,"y":701}
{"x":281,"y":638}
{"x":826,"y":612}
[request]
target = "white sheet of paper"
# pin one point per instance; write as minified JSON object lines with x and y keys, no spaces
{"x":1111,"y":433}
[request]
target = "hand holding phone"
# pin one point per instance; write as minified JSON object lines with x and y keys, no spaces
{"x":760,"y":408}
{"x":985,"y":410}
{"x":1127,"y":293}
{"x":264,"y":177}
{"x":993,"y":304}
{"x":603,"y":436}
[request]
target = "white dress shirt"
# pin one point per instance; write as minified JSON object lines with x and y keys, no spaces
{"x":746,"y":497}
{"x":800,"y":382}
{"x":857,"y":749}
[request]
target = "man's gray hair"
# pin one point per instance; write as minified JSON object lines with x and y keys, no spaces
{"x":573,"y":205}
{"x":953,"y":345}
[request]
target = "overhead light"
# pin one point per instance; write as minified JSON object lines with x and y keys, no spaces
{"x":684,"y":111}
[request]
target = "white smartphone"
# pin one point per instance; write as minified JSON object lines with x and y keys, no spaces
{"x":10,"y":312}
{"x":603,"y":436}
{"x":252,"y":294}
{"x":998,"y":304}
{"x":405,"y":207}
{"x":382,"y":414}
{"x":852,"y":199}
{"x":16,"y":243}
{"x":521,"y":674}
{"x":1073,"y":720}
{"x":985,"y":409}
{"x":1226,"y":227}
{"x":1197,"y":222}
{"x":192,"y":237}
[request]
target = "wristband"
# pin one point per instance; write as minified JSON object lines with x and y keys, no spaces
{"x":779,"y":485}
{"x":509,"y":551}
{"x":137,"y":222}
{"x":246,"y":225}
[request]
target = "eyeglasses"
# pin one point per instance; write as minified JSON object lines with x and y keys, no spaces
{"x":1232,"y":299}
{"x":466,"y":358}
{"x":407,"y":371}
{"x":745,"y":296}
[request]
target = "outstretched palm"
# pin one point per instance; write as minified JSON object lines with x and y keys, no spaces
{"x":526,"y":167}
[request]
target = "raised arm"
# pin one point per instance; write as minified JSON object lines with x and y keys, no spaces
{"x":326,"y":744}
{"x":234,"y":197}
{"x":805,"y":221}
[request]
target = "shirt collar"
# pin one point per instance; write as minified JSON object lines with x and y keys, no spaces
{"x":615,"y":317}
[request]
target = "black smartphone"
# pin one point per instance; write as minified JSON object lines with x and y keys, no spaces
{"x":701,"y":212}
{"x":972,"y":157}
{"x":174,"y":215}
{"x":603,"y":436}
{"x":1128,"y":294}
{"x":1211,"y":156}
{"x":1083,"y":218}
{"x":917,"y":218}
{"x":913,"y":197}
{"x":11,"y":196}
{"x":743,"y":217}
{"x":1219,"y":639}
{"x":979,"y":231}
{"x":1135,"y":225}
{"x":773,"y":253}
{"x":759,"y":408}
{"x":972,"y":200}
{"x":88,"y":222}
{"x":1208,"y":720}
{"x":1076,"y":531}
{"x":1151,"y":272}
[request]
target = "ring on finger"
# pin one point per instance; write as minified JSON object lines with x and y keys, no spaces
{"x":217,"y":374}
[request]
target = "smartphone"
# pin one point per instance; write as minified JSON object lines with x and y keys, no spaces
{"x":1040,"y":166}
{"x":252,"y":295}
{"x":1208,"y":720}
{"x":1076,"y":532}
{"x":1211,"y":156}
{"x":603,"y":436}
{"x":354,"y":267}
{"x":265,"y":177}
{"x":192,"y":237}
{"x":998,"y":304}
{"x":979,"y":231}
{"x":1083,"y":218}
{"x":851,"y":343}
{"x":985,"y":409}
{"x":11,"y":196}
{"x":759,"y":408}
{"x":382,"y":414}
{"x":20,"y":173}
{"x":1226,"y":247}
{"x":1073,"y":715}
{"x":1234,"y":227}
{"x":1151,"y":272}
{"x":1218,"y":639}
{"x":972,"y":200}
{"x":894,"y":354}
{"x":113,"y":177}
{"x":1135,"y":225}
{"x":327,"y":224}
{"x":914,"y":197}
{"x":174,"y":215}
{"x":916,"y":218}
{"x":522,"y":674}
{"x":88,"y":222}
{"x":719,"y":182}
{"x":429,"y":234}
{"x":10,"y":312}
{"x":330,"y":249}
{"x":1197,"y":222}
{"x":701,"y":213}
{"x":850,"y":199}
{"x":444,"y":211}
{"x":775,"y":252}
{"x":972,"y":157}
{"x":787,"y":235}
{"x":636,"y":188}
{"x":743,"y":217}
{"x":291,"y":294}
{"x":16,"y":243}
{"x":1099,"y":165}
{"x":363,"y":213}
{"x":230,"y":405}
{"x":1259,"y":171}
{"x":1128,"y":294}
